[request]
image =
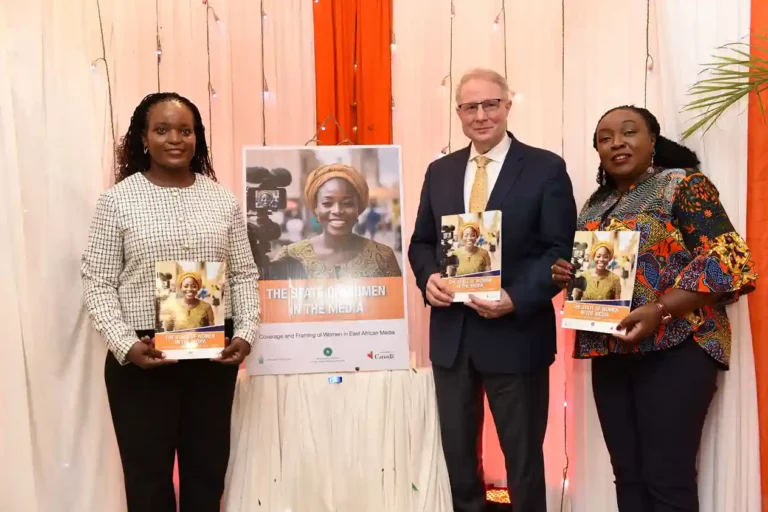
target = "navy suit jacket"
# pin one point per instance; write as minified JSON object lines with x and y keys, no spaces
{"x":535,"y":195}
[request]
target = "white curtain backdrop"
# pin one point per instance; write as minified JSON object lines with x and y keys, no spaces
{"x":56,"y":440}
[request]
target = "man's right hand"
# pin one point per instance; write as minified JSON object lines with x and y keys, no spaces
{"x":144,"y":355}
{"x":438,"y":293}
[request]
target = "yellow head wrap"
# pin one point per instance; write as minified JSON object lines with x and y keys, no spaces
{"x":322,"y":175}
{"x":602,"y":245}
{"x":193,"y":275}
{"x":472,"y":225}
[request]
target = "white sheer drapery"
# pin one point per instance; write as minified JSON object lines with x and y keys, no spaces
{"x":56,"y":438}
{"x":369,"y":444}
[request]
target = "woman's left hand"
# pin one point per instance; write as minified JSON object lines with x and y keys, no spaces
{"x":234,"y":353}
{"x":639,"y":325}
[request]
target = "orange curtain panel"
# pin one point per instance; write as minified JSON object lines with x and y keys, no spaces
{"x":757,"y":238}
{"x":353,"y":70}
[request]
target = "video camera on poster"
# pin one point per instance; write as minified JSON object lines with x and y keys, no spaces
{"x":265,"y":195}
{"x":578,"y":259}
{"x":266,"y":188}
{"x":448,"y":262}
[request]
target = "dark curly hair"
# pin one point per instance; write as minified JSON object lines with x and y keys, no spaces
{"x":130,"y":157}
{"x":667,"y":153}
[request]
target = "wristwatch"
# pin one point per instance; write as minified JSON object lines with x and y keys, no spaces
{"x":665,"y":316}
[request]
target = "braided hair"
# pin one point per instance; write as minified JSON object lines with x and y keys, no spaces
{"x":130,"y":157}
{"x":667,"y":153}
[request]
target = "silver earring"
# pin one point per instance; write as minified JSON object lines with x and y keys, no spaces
{"x":651,"y":169}
{"x":146,"y":150}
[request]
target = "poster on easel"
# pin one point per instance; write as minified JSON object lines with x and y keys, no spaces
{"x":324,"y":224}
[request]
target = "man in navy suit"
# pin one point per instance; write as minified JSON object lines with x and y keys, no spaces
{"x":501,"y":347}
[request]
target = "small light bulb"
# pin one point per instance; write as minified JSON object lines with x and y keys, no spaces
{"x":392,"y":47}
{"x":264,"y":16}
{"x":213,"y":92}
{"x":159,"y":52}
{"x":322,"y":128}
{"x":354,"y":128}
{"x":266,"y":95}
{"x":517,"y":97}
{"x":565,"y":404}
{"x":495,"y":26}
{"x":565,"y":483}
{"x":93,"y":67}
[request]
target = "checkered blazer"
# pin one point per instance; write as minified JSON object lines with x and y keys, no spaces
{"x":137,"y":224}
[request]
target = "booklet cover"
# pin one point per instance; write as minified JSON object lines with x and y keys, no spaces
{"x":600,"y":294}
{"x":189,"y":308}
{"x":470,"y":255}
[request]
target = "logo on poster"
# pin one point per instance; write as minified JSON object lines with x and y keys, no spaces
{"x":380,"y":355}
{"x":327,"y":351}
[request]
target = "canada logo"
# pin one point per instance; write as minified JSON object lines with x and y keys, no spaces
{"x":380,"y":355}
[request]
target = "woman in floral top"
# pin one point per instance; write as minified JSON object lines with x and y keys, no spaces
{"x":653,"y":382}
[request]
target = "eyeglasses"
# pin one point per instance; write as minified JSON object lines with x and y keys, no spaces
{"x":489,"y":106}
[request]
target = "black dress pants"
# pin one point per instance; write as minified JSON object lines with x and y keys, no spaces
{"x":652,"y":409}
{"x":519,"y":404}
{"x":185,"y":409}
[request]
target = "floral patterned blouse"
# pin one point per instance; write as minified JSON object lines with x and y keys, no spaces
{"x":686,"y":242}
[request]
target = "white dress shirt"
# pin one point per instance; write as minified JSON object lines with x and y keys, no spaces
{"x":497,"y":154}
{"x":137,"y":224}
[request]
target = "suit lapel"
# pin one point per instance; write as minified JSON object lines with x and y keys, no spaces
{"x":456,"y":185}
{"x":510,"y":172}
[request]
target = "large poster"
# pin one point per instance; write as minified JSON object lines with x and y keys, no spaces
{"x":324,"y":227}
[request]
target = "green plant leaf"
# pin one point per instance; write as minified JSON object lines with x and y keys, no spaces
{"x":734,"y":72}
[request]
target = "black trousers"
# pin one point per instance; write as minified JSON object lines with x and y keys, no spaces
{"x":183,"y":409}
{"x":652,"y":409}
{"x":519,"y":404}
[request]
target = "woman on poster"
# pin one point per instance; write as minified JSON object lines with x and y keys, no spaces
{"x":472,"y":259}
{"x":337,"y":195}
{"x":188,"y":312}
{"x":600,"y":283}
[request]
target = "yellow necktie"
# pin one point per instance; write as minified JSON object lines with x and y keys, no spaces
{"x":478,"y":196}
